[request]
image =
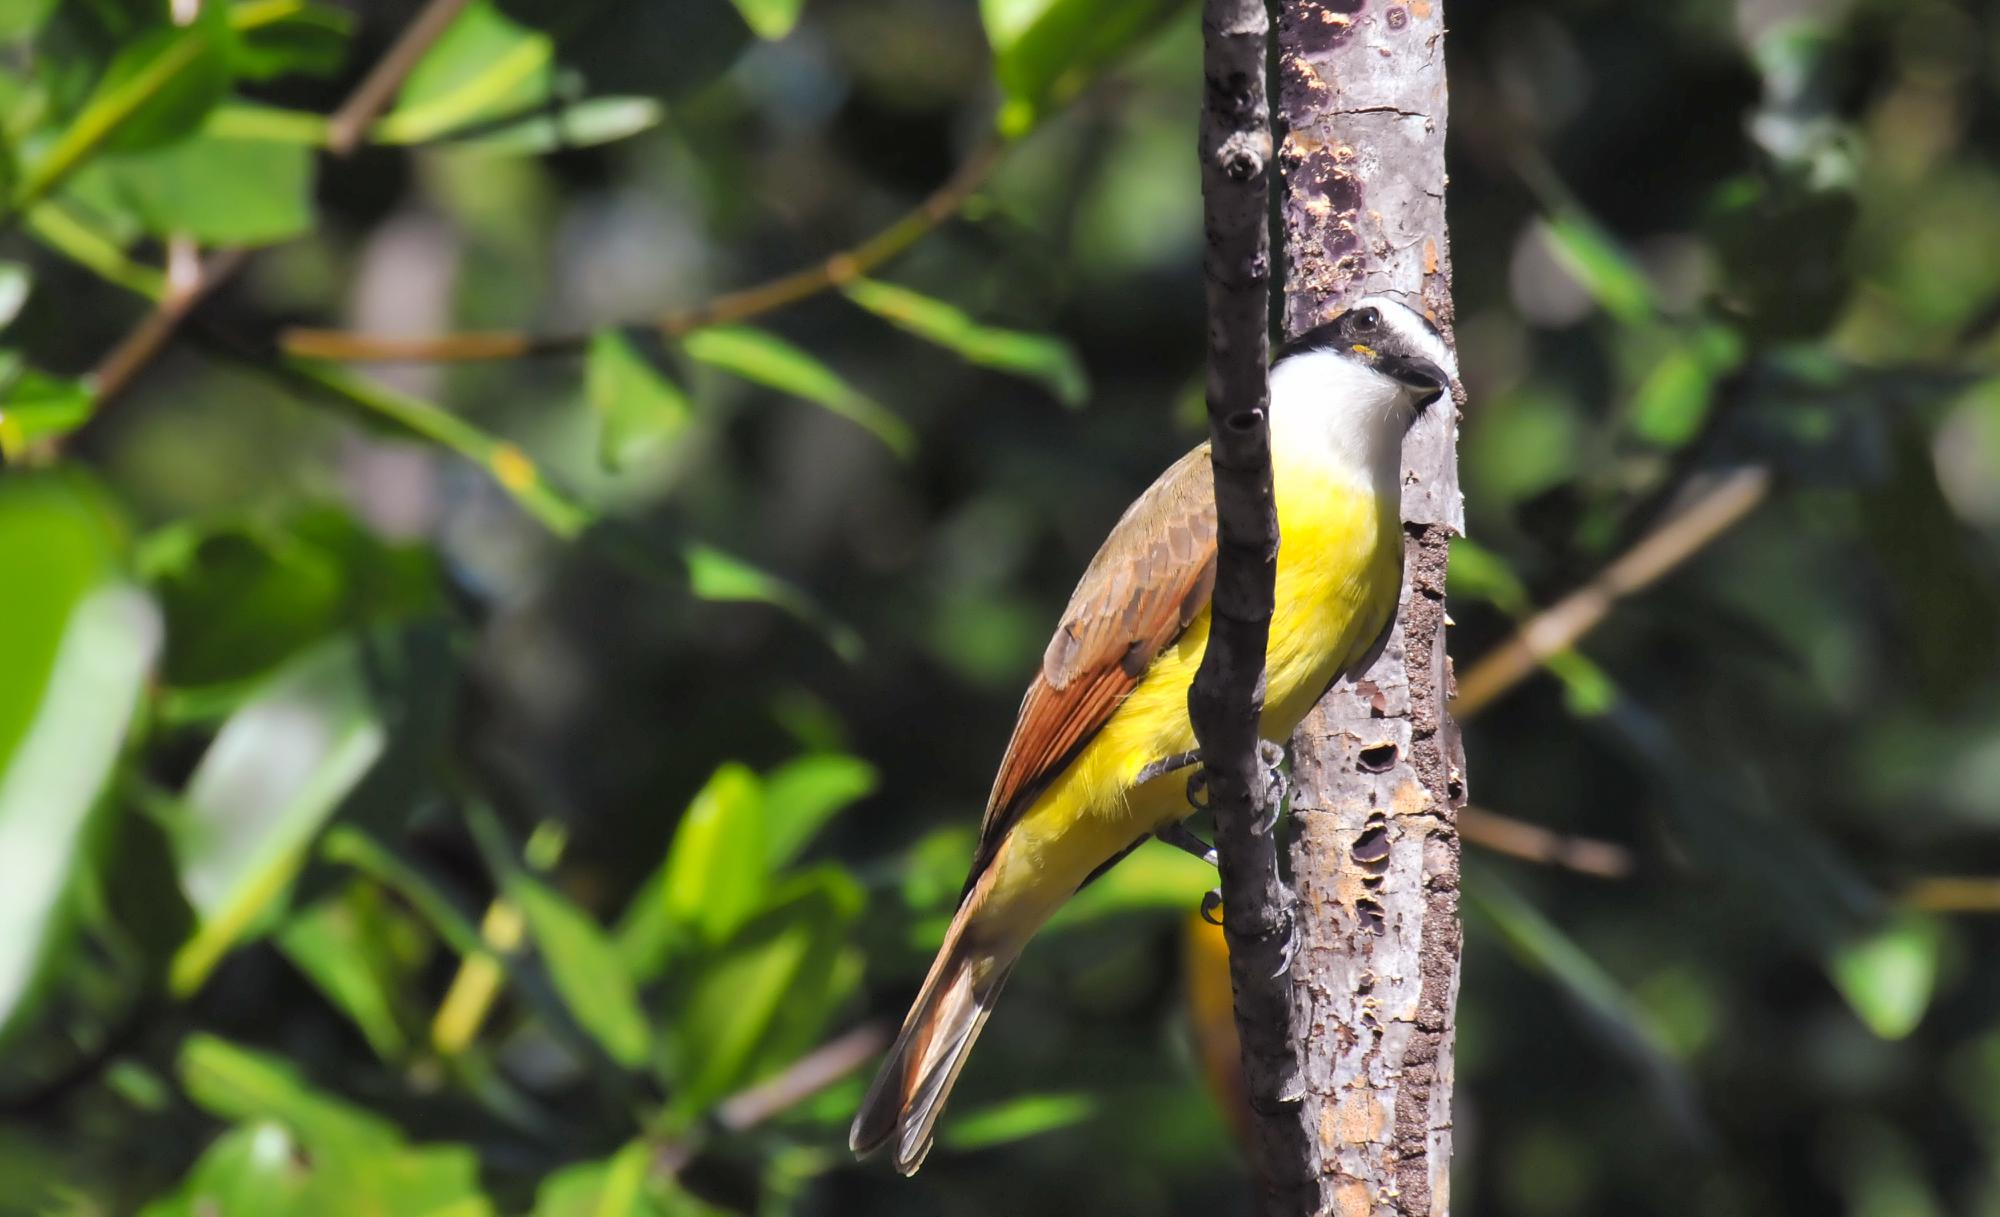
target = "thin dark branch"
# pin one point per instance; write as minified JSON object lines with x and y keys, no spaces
{"x":1228,"y":691}
{"x":832,"y":271}
{"x":349,"y":124}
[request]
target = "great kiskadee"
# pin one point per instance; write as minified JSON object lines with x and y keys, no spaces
{"x":1082,"y":782}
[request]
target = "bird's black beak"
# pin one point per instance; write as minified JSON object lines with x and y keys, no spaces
{"x":1419,"y":375}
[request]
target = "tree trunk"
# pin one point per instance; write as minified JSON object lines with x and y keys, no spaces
{"x":1378,"y":767}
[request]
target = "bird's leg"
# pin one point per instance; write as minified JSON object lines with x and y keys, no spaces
{"x":1181,"y":837}
{"x":1166,"y":765}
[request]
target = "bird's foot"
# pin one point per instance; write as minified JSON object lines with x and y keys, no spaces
{"x":1290,"y":949}
{"x":1166,"y":765}
{"x":1276,"y":784}
{"x":1183,"y":838}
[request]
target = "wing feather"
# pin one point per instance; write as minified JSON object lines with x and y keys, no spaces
{"x":1151,"y":577}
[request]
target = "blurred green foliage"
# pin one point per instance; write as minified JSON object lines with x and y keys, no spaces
{"x":455,"y":789}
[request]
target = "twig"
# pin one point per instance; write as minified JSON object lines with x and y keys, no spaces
{"x":1533,"y":843}
{"x":116,"y":371}
{"x":843,"y":267}
{"x":1558,"y":627}
{"x":803,"y":1078}
{"x":347,"y":126}
{"x":1955,"y":894}
{"x":1227,"y":694}
{"x":143,"y":343}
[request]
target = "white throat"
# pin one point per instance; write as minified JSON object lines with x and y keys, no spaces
{"x":1339,"y":419}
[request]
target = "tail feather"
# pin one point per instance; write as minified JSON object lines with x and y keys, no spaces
{"x":908,"y":1095}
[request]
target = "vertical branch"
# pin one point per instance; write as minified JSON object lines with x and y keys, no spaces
{"x":1228,"y":692}
{"x":1361,"y":99}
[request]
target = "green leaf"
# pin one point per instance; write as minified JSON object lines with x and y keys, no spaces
{"x":586,"y":969}
{"x":92,"y":245}
{"x":276,"y":772}
{"x":713,"y":876}
{"x":485,"y":66}
{"x":1479,"y":573}
{"x":357,"y":1161}
{"x":1017,"y":1119}
{"x":226,"y":185}
{"x":79,"y":643}
{"x":638,"y":409}
{"x":1594,"y":257}
{"x":21,"y":17}
{"x":241,"y":597}
{"x":770,"y":19}
{"x":1670,"y":403}
{"x":1046,"y":51}
{"x":234,"y":1083}
{"x":623,"y":1185}
{"x":286,"y":37}
{"x":1888,"y":976}
{"x":769,"y":360}
{"x":250,"y":1169}
{"x":801,"y":795}
{"x":715,"y":575}
{"x":1152,"y":879}
{"x":763,"y":997}
{"x":348,"y":846}
{"x":347,"y":960}
{"x":615,"y":1187}
{"x":1047,"y":360}
{"x":158,"y":89}
{"x":35,"y":406}
{"x":15,"y":281}
{"x":583,"y":124}
{"x":514,"y":470}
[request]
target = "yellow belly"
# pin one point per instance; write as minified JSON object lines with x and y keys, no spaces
{"x":1339,"y":564}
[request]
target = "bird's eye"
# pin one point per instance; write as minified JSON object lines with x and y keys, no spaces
{"x":1366,"y":319}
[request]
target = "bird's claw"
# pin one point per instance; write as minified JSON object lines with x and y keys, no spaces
{"x":1211,"y":906}
{"x":1197,"y":790}
{"x":1290,"y":949}
{"x":1277,"y":786}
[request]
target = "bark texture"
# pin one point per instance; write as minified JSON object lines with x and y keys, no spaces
{"x":1378,"y":766}
{"x":1229,"y":689}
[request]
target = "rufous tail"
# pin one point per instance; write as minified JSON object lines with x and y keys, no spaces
{"x":902,"y":1107}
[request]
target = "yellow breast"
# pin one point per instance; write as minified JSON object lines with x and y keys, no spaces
{"x":1339,"y":562}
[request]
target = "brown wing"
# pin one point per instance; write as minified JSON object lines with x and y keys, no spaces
{"x":1152,"y":576}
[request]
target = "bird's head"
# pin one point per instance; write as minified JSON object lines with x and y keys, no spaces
{"x":1357,"y":383}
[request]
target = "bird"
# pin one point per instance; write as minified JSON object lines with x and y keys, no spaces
{"x":1089,"y":772}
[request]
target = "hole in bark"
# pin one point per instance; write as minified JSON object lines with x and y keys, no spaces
{"x":1373,"y":919}
{"x":1377,"y":758}
{"x":1398,"y":18}
{"x":1455,"y":791}
{"x":1371,"y":848}
{"x":1245,"y":420}
{"x":1366,"y":985}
